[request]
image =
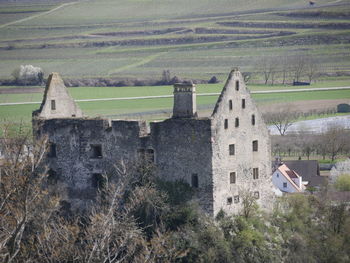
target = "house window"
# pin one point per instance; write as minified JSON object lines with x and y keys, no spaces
{"x":237,"y":85}
{"x":237,"y":122}
{"x":278,"y":175}
{"x":243,"y":103}
{"x":194,"y":181}
{"x":255,"y":173}
{"x":229,"y":200}
{"x":232,"y":149}
{"x":232,"y":177}
{"x":230,"y":104}
{"x":53,"y":105}
{"x":253,"y":119}
{"x":255,"y":146}
{"x":236,"y":199}
{"x":284,"y":185}
{"x":256,"y":195}
{"x":52,"y":150}
{"x":226,"y":123}
{"x":98,"y":181}
{"x":96,"y":151}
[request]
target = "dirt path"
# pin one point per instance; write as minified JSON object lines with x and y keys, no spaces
{"x":37,"y":15}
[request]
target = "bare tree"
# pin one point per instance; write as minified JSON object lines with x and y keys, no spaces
{"x":311,"y":70}
{"x":281,"y":118}
{"x":268,"y":68}
{"x":335,"y":139}
{"x":298,"y":67}
{"x":249,"y":205}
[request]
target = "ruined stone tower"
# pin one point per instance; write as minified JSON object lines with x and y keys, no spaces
{"x":223,"y":156}
{"x":185,"y":105}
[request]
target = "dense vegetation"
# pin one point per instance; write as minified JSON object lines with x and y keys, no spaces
{"x":143,"y":219}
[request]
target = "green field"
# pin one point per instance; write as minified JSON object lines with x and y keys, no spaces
{"x":191,"y":38}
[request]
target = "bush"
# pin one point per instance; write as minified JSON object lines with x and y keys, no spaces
{"x":343,"y":183}
{"x":343,"y":108}
{"x":28,"y":75}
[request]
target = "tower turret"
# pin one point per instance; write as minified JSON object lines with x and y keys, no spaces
{"x":185,"y":105}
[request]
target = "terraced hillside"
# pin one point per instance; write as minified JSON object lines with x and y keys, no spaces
{"x":190,"y":38}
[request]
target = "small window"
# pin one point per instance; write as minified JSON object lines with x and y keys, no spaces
{"x":243,"y":103}
{"x":232,"y":149}
{"x":284,"y":185}
{"x":237,"y":122}
{"x":52,"y":150}
{"x":194,"y":180}
{"x":229,"y":200}
{"x":253,"y":119}
{"x":53,"y":105}
{"x":150,"y":155}
{"x":98,"y":181}
{"x":52,"y":177}
{"x":237,"y":85}
{"x":96,"y":151}
{"x":255,"y":146}
{"x":232,"y":177}
{"x":255,"y":173}
{"x":236,"y":199}
{"x":256,"y":195}
{"x":226,"y":123}
{"x":230,"y":104}
{"x":278,"y":175}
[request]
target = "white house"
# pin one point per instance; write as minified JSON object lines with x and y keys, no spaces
{"x":287,"y":180}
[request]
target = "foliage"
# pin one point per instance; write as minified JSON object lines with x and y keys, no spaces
{"x":343,"y":183}
{"x":28,"y":75}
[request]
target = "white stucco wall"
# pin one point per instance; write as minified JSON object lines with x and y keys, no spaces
{"x":278,"y":179}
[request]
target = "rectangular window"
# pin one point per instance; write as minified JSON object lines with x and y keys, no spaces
{"x":243,"y":103}
{"x":96,"y":151}
{"x":255,"y":173}
{"x":226,"y":123}
{"x":229,"y":200}
{"x":52,"y":177}
{"x":236,"y":199}
{"x":284,"y":185}
{"x":253,"y":119}
{"x":255,"y":146}
{"x":237,"y":122}
{"x":98,"y":181}
{"x":237,"y":85}
{"x":52,"y":150}
{"x":232,"y":177}
{"x":230,"y":104}
{"x":256,"y":195}
{"x":53,"y":105}
{"x":150,"y":155}
{"x":194,"y":181}
{"x":232,"y":149}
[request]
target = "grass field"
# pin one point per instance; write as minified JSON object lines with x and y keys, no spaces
{"x":191,"y":38}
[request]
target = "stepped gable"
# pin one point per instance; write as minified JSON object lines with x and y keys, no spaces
{"x":57,"y":103}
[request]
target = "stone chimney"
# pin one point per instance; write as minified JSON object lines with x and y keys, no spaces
{"x":185,"y":105}
{"x":57,"y":103}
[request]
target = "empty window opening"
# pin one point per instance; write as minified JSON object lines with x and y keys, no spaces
{"x":229,"y":200}
{"x":256,"y":195}
{"x":53,"y":105}
{"x":255,"y":146}
{"x":243,"y":103}
{"x":232,"y":149}
{"x":237,"y":122}
{"x":150,"y":155}
{"x":253,"y":119}
{"x":96,"y":151}
{"x":52,"y":150}
{"x":52,"y":177}
{"x":255,"y":173}
{"x":232,"y":177}
{"x":278,"y":175}
{"x":98,"y":181}
{"x":237,"y":85}
{"x":236,"y":199}
{"x":230,"y":104}
{"x":194,"y":181}
{"x":284,"y":185}
{"x":226,"y":123}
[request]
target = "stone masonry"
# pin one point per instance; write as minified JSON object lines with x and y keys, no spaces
{"x":222,"y":156}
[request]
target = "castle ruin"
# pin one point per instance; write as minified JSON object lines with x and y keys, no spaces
{"x":220,"y":156}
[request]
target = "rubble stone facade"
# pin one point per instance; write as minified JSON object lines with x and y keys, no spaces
{"x":222,"y":156}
